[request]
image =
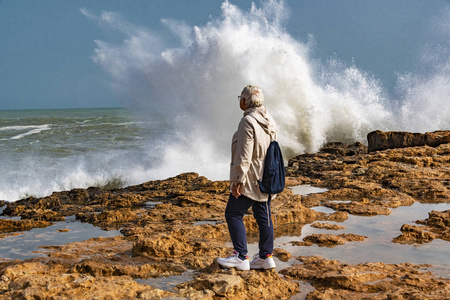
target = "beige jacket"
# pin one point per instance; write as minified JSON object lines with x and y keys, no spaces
{"x":248,"y":151}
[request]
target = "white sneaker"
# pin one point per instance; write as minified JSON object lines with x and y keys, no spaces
{"x":233,"y":261}
{"x":259,"y":263}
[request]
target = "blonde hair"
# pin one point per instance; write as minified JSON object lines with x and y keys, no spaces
{"x":253,"y":96}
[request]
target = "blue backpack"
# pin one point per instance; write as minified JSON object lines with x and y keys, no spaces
{"x":274,"y":173}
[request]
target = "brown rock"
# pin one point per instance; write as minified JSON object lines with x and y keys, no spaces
{"x":162,"y":246}
{"x":187,"y":230}
{"x":37,"y":281}
{"x":335,"y":280}
{"x":414,"y":234}
{"x":221,"y":284}
{"x":322,"y":239}
{"x":360,"y":208}
{"x":341,"y":149}
{"x":300,"y":243}
{"x":282,"y":254}
{"x":233,"y":284}
{"x":351,"y":237}
{"x":41,"y":215}
{"x":379,"y":140}
{"x":327,"y":226}
{"x":437,"y":138}
{"x":436,"y":226}
{"x":339,"y":216}
{"x":330,"y":240}
{"x":21,"y":225}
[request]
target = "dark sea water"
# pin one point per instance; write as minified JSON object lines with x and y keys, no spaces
{"x":42,"y":151}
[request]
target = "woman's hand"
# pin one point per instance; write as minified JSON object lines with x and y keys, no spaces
{"x":236,"y":190}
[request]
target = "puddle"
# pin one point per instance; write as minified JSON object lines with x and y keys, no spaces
{"x":23,"y":245}
{"x":323,"y":209}
{"x":378,"y":246}
{"x":206,"y":222}
{"x":7,"y":217}
{"x":167,"y":283}
{"x":340,"y":201}
{"x":304,"y":190}
{"x":10,"y":218}
{"x":305,"y":288}
{"x":151,"y":204}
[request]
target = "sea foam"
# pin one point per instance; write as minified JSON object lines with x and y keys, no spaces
{"x":194,"y":86}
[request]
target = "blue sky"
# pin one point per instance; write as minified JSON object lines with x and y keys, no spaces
{"x":47,"y":46}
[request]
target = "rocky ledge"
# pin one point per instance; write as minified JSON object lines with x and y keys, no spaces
{"x":176,"y":227}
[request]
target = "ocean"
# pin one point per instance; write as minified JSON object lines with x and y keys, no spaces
{"x":42,"y":151}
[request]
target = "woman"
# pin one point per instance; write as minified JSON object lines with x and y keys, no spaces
{"x":248,"y":151}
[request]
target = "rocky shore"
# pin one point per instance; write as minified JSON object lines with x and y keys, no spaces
{"x":176,"y":227}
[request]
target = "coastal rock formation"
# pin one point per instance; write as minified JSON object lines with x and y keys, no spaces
{"x":379,"y":140}
{"x":232,"y":284}
{"x":327,"y":226}
{"x":21,"y":225}
{"x":374,"y":183}
{"x":33,"y":280}
{"x":331,"y":240}
{"x":335,"y":280}
{"x":282,"y":254}
{"x":436,"y":226}
{"x":176,"y":227}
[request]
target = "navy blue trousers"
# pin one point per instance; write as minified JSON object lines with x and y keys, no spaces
{"x":235,"y":211}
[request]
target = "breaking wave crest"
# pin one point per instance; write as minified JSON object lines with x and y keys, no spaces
{"x":191,"y":89}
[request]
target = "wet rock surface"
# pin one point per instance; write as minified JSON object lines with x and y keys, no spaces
{"x":379,"y":140}
{"x":375,"y":182}
{"x":21,"y":225}
{"x":231,"y":284}
{"x":436,"y":226}
{"x":176,"y":226}
{"x":330,"y":240}
{"x":336,"y":280}
{"x":327,"y":226}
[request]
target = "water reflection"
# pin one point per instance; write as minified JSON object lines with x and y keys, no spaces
{"x":166,"y":283}
{"x":304,"y":190}
{"x":23,"y":245}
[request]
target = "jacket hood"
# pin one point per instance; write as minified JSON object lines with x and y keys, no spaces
{"x":264,"y":119}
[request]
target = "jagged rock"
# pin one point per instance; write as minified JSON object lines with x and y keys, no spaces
{"x":414,"y":234}
{"x":341,"y":149}
{"x":379,"y":140}
{"x":335,"y":280}
{"x":301,"y":243}
{"x":331,"y":240}
{"x":339,"y":216}
{"x":234,"y":284}
{"x":163,"y":246}
{"x":388,"y":178}
{"x":436,"y":226}
{"x":327,"y":226}
{"x":282,"y":254}
{"x":178,"y":224}
{"x":21,"y":225}
{"x":33,"y":280}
